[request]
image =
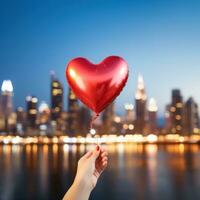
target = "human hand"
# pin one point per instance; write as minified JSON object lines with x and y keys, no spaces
{"x":90,"y":167}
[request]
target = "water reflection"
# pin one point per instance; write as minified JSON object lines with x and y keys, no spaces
{"x":135,"y":171}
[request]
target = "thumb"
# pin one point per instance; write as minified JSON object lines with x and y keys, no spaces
{"x":96,"y":153}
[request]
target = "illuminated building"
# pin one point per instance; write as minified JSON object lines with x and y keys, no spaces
{"x":167,"y":128}
{"x":128,"y":119}
{"x":20,"y":115}
{"x":129,"y":115}
{"x":140,"y":106}
{"x":62,"y":123}
{"x":21,"y":120}
{"x":6,"y":105}
{"x":191,"y":119}
{"x":44,"y":113}
{"x":43,"y":118}
{"x":32,"y":111}
{"x":107,"y":119}
{"x":2,"y":123}
{"x":56,"y":98}
{"x":84,"y":118}
{"x":152,"y":116}
{"x":118,"y":121}
{"x":176,"y":112}
{"x":73,"y":111}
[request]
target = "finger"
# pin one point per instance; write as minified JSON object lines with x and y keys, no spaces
{"x":102,"y":150}
{"x":103,"y":166}
{"x":101,"y":159}
{"x":105,"y":163}
{"x":104,"y":159}
{"x":104,"y":154}
{"x":87,"y":155}
{"x":97,"y":174}
{"x":98,"y":160}
{"x":99,"y":169}
{"x":95,"y":153}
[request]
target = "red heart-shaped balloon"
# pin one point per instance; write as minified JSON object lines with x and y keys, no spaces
{"x":97,"y":85}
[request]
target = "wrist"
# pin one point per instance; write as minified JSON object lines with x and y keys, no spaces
{"x":83,"y":185}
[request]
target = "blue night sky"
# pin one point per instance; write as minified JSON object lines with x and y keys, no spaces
{"x":159,"y":39}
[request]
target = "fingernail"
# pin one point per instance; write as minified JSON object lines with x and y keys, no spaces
{"x":97,"y":147}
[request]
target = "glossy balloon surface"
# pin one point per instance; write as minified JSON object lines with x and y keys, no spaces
{"x":97,"y":85}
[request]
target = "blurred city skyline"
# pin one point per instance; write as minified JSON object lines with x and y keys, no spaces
{"x":151,"y":131}
{"x":159,"y":39}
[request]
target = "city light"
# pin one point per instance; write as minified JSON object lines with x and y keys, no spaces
{"x":43,"y":107}
{"x":152,"y":107}
{"x":45,"y":125}
{"x":92,"y":131}
{"x":152,"y":138}
{"x":129,"y":106}
{"x":34,"y":100}
{"x":104,"y":139}
{"x":140,"y":92}
{"x":28,"y":98}
{"x":117,"y":119}
{"x":7,"y":86}
{"x":140,"y":82}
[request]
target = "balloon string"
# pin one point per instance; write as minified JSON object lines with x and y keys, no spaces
{"x":93,"y":120}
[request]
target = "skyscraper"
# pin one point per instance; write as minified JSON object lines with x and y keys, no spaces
{"x":32,"y":111}
{"x":21,"y":120}
{"x":152,"y":116}
{"x":44,"y":113}
{"x":84,"y":118}
{"x":73,"y":111}
{"x":6,"y":97}
{"x":129,"y":115}
{"x":108,"y":118}
{"x":140,"y":106}
{"x":6,"y":103}
{"x":168,"y":121}
{"x":128,"y":119}
{"x":56,"y":98}
{"x":191,"y":119}
{"x":176,"y":112}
